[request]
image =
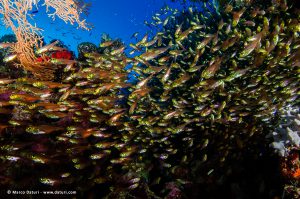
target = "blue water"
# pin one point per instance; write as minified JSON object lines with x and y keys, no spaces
{"x":118,"y":18}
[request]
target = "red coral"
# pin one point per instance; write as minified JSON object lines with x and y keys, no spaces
{"x":62,"y":55}
{"x":290,"y":166}
{"x":56,"y":55}
{"x":42,"y":59}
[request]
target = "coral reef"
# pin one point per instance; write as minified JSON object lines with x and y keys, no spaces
{"x":85,"y":47}
{"x":16,"y":16}
{"x":287,"y":135}
{"x":210,"y":87}
{"x":8,"y":70}
{"x":286,"y":143}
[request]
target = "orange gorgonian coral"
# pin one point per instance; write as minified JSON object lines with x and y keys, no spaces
{"x":16,"y":15}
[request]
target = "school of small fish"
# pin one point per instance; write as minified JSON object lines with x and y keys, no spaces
{"x":208,"y":83}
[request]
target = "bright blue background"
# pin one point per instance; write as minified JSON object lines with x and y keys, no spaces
{"x":118,"y":18}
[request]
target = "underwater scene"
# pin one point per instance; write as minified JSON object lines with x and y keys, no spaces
{"x":150,"y":99}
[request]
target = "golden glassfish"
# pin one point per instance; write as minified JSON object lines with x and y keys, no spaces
{"x":106,"y":44}
{"x":237,"y":16}
{"x":10,"y":58}
{"x":153,"y":53}
{"x":255,"y":42}
{"x":6,"y":81}
{"x":63,"y":61}
{"x":114,"y":119}
{"x":208,"y":38}
{"x":144,"y":82}
{"x":212,"y":68}
{"x":24,"y":97}
{"x":184,"y":35}
{"x":141,"y":92}
{"x":43,"y":129}
{"x":143,"y":41}
{"x":6,"y":45}
{"x":47,"y":47}
{"x":118,"y":51}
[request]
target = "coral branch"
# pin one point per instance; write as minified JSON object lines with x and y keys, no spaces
{"x":15,"y":16}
